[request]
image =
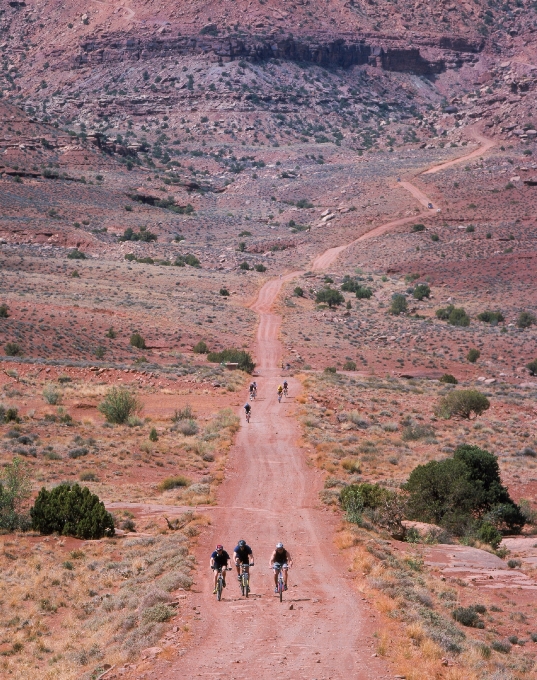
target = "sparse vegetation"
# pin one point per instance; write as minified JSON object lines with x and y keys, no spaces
{"x":233,"y":356}
{"x":525,"y":320}
{"x":329,"y":296}
{"x":200,"y":348}
{"x":398,"y":305}
{"x":138,"y":341}
{"x":462,"y":403}
{"x":118,"y":405}
{"x":473,"y":355}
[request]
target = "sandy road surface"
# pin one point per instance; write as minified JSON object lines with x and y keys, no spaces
{"x":269,"y":495}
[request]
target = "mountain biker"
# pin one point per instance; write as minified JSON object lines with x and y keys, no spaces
{"x":247,"y":409}
{"x":242,"y":554}
{"x":282,"y":557}
{"x":285,"y":386}
{"x":253,"y":388}
{"x":280,"y":392}
{"x":219,"y":560}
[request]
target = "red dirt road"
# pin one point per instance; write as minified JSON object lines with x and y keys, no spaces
{"x":269,"y":495}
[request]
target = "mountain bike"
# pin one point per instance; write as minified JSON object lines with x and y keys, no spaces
{"x":248,"y":416}
{"x":285,"y":391}
{"x":253,"y":394}
{"x":220,"y":582}
{"x":281,"y":584}
{"x":245,"y":578}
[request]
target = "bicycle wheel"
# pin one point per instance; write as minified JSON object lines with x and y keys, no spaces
{"x":246,"y":585}
{"x":280,"y":588}
{"x":219,"y":589}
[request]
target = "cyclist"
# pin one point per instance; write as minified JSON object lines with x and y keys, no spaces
{"x":219,"y":560}
{"x":253,"y":388}
{"x":247,"y":410}
{"x":280,"y":392}
{"x":285,"y":386}
{"x":283,"y":558}
{"x":243,"y":555}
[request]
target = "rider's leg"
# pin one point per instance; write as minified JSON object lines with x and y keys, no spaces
{"x":224,"y":575}
{"x":275,"y":577}
{"x":215,"y":577}
{"x":238,"y":565}
{"x":285,"y":576}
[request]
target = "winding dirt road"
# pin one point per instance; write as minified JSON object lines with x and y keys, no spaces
{"x":323,"y":630}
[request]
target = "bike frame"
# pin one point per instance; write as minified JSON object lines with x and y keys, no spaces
{"x":281,"y":584}
{"x":245,"y":579}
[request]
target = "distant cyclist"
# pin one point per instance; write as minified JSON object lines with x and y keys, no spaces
{"x":253,"y":390}
{"x":280,"y":392}
{"x":247,"y":411}
{"x":219,"y":560}
{"x":243,"y":555}
{"x":283,"y":559}
{"x":285,"y":386}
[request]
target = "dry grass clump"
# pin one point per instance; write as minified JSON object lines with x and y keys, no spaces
{"x":72,"y":605}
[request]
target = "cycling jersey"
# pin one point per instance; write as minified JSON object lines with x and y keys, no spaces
{"x":247,"y":408}
{"x":220,"y":559}
{"x":243,"y":553}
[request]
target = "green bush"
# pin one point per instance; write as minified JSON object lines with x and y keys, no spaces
{"x":435,"y":237}
{"x":8,"y":415}
{"x":449,"y":379}
{"x":200,"y":348}
{"x":15,"y":489}
{"x":4,"y":311}
{"x":233,"y":356}
{"x":489,"y":534}
{"x":71,"y":511}
{"x":330,"y":369}
{"x":189,"y":259}
{"x":363,"y":293}
{"x":473,"y":355}
{"x":418,"y":227}
{"x":260,"y":268}
{"x":457,"y":492}
{"x":501,"y":646}
{"x":143,"y":235}
{"x":458,"y":317}
{"x":12,"y":349}
{"x":173,"y":483}
{"x":224,"y":292}
{"x":118,"y":405}
{"x":137,"y":341}
{"x":349,"y":365}
{"x":491,"y":317}
{"x":415,"y":432}
{"x":462,"y":403}
{"x":244,"y":266}
{"x":399,"y":304}
{"x":371,"y":495}
{"x":421,"y":291}
{"x":329,"y":296}
{"x":532,"y":367}
{"x":298,"y":292}
{"x":153,"y":435}
{"x":525,"y":320}
{"x":76,"y":255}
{"x":467,"y":616}
{"x":51,"y":394}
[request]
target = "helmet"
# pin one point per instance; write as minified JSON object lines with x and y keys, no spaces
{"x":242,"y":543}
{"x":247,"y":404}
{"x":219,"y":547}
{"x":279,"y":546}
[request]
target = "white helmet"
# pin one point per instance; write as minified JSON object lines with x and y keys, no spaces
{"x":279,"y":546}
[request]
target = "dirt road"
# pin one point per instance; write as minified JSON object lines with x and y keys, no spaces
{"x":270,"y":494}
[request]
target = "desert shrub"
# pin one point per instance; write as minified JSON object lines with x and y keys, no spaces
{"x":224,"y":292}
{"x":76,"y":255}
{"x":4,"y":311}
{"x":173,"y":483}
{"x":234,"y":356}
{"x":71,"y":511}
{"x":244,"y":265}
{"x":349,"y":365}
{"x":489,"y":534}
{"x":458,"y":317}
{"x":369,"y":495}
{"x":143,"y":235}
{"x":200,"y":348}
{"x":456,"y":492}
{"x":88,"y":477}
{"x":473,"y":355}
{"x":416,"y":432}
{"x":329,"y":296}
{"x":467,"y":616}
{"x":260,"y":268}
{"x":502,"y":646}
{"x":183,"y":413}
{"x":153,"y":435}
{"x":435,"y":237}
{"x":444,"y":312}
{"x":363,"y":293}
{"x":187,"y":427}
{"x":118,"y":405}
{"x":421,"y":291}
{"x":449,"y":379}
{"x":188,"y":259}
{"x":398,"y":305}
{"x":532,"y":367}
{"x":298,"y":292}
{"x":15,"y":489}
{"x":13,"y":349}
{"x":491,"y":317}
{"x":78,"y":452}
{"x":525,"y":320}
{"x":158,"y":613}
{"x":51,"y":394}
{"x":418,"y":227}
{"x":462,"y":403}
{"x":330,"y":369}
{"x":137,"y":341}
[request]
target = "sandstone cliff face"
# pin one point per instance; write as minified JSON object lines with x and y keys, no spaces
{"x":333,"y":51}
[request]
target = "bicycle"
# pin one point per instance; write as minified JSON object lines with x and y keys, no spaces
{"x":253,"y":394}
{"x":248,"y":415}
{"x":245,"y":578}
{"x":285,"y":391}
{"x":281,"y":584}
{"x":279,"y":397}
{"x":220,"y":582}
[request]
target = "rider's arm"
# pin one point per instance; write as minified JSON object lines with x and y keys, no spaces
{"x":272,"y":558}
{"x":211,"y":563}
{"x":235,"y":557}
{"x":289,"y":559}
